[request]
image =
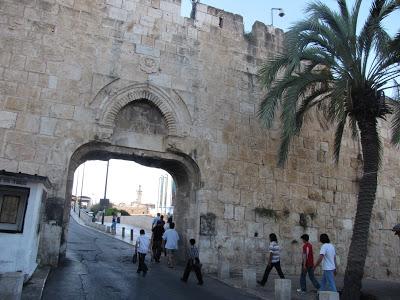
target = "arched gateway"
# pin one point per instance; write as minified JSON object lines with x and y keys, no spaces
{"x":140,"y":120}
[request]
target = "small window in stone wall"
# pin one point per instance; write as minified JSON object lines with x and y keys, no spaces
{"x":13,"y":203}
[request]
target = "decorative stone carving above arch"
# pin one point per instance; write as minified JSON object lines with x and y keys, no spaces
{"x":113,"y":97}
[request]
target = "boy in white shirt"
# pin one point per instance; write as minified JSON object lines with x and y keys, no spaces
{"x":142,"y":247}
{"x":327,"y":256}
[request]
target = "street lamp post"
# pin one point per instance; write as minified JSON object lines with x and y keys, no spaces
{"x":166,"y":194}
{"x":76,"y":188}
{"x":105,"y":192}
{"x":80,"y":199}
{"x":281,"y":14}
{"x":161,"y":194}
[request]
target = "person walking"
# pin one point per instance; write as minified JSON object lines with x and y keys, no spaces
{"x":158,"y":232}
{"x":193,"y":263}
{"x":166,"y":227}
{"x":169,"y":221}
{"x":307,"y":265}
{"x":327,"y":255}
{"x":142,"y":247}
{"x":171,"y":239}
{"x":396,"y":230}
{"x":114,"y":225}
{"x":155,"y":220}
{"x":274,"y":260}
{"x":162,"y":220}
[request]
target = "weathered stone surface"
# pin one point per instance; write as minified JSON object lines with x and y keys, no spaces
{"x":11,"y":285}
{"x":143,"y":80}
{"x":328,"y":295}
{"x":7,"y":119}
{"x":223,"y":270}
{"x":283,"y":289}
{"x":249,"y":277}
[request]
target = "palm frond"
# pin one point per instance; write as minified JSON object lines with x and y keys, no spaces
{"x":396,"y":117}
{"x":328,"y":67}
{"x":372,"y":30}
{"x":354,"y":15}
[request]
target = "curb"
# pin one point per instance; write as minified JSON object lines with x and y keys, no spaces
{"x":81,"y":223}
{"x":33,"y":288}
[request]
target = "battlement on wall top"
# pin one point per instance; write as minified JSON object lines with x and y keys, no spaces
{"x":211,"y":16}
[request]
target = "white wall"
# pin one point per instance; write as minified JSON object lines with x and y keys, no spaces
{"x":18,"y":251}
{"x":140,"y":221}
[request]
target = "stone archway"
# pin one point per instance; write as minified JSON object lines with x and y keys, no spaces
{"x":140,"y":121}
{"x":182,"y":168}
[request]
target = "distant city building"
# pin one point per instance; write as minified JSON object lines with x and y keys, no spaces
{"x":83,"y":201}
{"x":166,"y":194}
{"x":139,"y":195}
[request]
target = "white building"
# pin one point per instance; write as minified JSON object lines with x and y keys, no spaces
{"x":22,"y":199}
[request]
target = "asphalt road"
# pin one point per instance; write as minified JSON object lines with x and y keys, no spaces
{"x":99,"y":267}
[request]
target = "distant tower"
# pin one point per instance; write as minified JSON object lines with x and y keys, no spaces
{"x":139,"y":195}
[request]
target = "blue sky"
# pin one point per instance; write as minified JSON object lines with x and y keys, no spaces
{"x":260,"y":10}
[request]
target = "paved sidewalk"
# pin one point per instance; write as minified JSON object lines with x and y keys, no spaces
{"x":382,"y":290}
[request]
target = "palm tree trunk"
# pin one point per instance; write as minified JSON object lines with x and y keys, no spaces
{"x":366,"y":197}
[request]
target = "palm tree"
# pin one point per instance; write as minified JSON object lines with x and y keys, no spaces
{"x":331,"y":65}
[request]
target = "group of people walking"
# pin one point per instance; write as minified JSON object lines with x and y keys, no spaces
{"x":327,"y":257}
{"x":165,"y":239}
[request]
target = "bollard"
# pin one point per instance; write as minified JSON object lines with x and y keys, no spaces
{"x":249,"y":278}
{"x":11,"y":285}
{"x":108,"y":230}
{"x":131,"y":234}
{"x":323,"y":295}
{"x":223,"y":270}
{"x":283,"y":289}
{"x":123,"y":232}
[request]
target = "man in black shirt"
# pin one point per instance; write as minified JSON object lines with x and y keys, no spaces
{"x":158,"y":232}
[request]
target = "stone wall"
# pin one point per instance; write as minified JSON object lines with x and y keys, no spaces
{"x":68,"y":67}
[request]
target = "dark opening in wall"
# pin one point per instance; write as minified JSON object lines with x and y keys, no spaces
{"x":13,"y":204}
{"x":221,"y":22}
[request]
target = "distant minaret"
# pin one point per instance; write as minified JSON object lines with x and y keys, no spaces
{"x":139,"y":195}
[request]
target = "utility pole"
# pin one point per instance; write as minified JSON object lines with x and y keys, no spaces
{"x":105,"y":191}
{"x":80,"y":199}
{"x":161,"y":195}
{"x":166,"y":194}
{"x":76,"y":187}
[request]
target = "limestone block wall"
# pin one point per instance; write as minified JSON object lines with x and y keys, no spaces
{"x":65,"y":66}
